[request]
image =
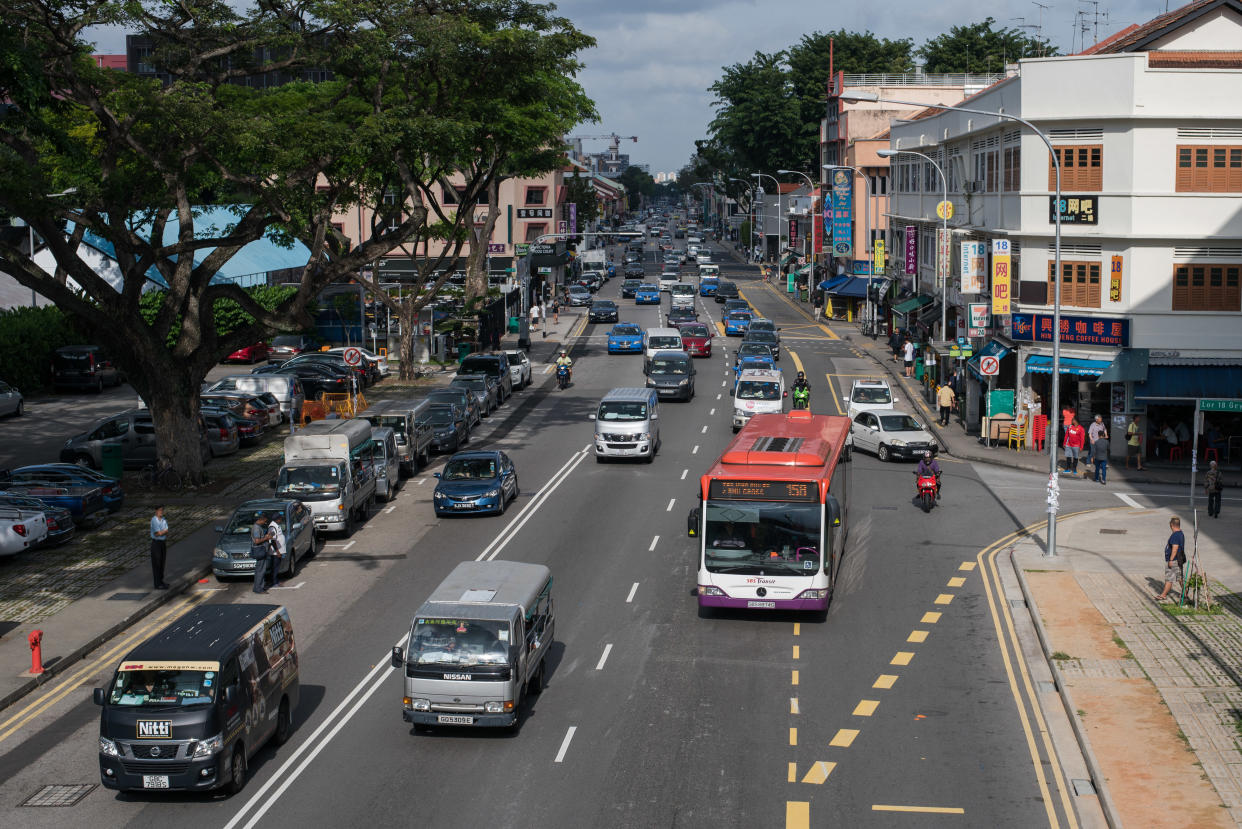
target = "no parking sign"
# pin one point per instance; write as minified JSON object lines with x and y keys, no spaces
{"x":989,"y":366}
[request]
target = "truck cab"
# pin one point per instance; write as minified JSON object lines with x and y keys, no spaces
{"x":329,"y":466}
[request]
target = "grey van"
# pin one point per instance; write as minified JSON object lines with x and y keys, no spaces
{"x":387,"y":462}
{"x":84,"y":367}
{"x":413,"y":432}
{"x":189,"y":707}
{"x":627,"y":425}
{"x":133,"y":431}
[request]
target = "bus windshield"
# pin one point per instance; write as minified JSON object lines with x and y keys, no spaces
{"x":762,"y":538}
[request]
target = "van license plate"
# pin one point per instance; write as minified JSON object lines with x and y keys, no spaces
{"x":155,"y":781}
{"x":454,"y":719}
{"x":766,"y":605}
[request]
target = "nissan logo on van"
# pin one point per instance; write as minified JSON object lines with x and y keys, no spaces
{"x":466,"y":677}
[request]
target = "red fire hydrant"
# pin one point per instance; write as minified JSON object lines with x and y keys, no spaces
{"x":36,"y":651}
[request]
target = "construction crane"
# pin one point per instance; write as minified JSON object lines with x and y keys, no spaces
{"x":614,"y":147}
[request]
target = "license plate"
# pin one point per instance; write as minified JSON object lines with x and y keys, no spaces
{"x":454,"y":719}
{"x":764,"y":605}
{"x":155,"y":781}
{"x":463,"y":506}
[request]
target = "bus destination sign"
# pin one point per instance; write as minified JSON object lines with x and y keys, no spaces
{"x":763,"y":490}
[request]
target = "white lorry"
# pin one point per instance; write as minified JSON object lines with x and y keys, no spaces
{"x":329,"y":466}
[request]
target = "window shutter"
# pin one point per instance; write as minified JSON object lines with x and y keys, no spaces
{"x":1231,"y":297}
{"x":1093,"y":285}
{"x":1184,"y":179}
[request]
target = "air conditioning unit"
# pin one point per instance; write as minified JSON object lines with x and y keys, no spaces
{"x":974,"y":186}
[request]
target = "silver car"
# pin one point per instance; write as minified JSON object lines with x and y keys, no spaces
{"x":231,"y":554}
{"x":519,"y":368}
{"x":484,"y":388}
{"x":11,"y":402}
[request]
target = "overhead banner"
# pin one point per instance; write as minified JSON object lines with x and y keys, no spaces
{"x":912,"y":249}
{"x":974,"y":264}
{"x":826,"y":230}
{"x":1001,"y":277}
{"x":944,"y":248}
{"x":842,"y":212}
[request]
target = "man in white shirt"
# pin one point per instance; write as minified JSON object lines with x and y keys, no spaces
{"x":277,"y":558}
{"x":908,"y":356}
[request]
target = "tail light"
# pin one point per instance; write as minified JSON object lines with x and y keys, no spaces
{"x":20,"y":529}
{"x":224,"y":433}
{"x":51,"y":524}
{"x":91,"y":357}
{"x":256,"y":412}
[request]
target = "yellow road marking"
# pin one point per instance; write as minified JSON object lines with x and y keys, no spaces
{"x":797,"y":815}
{"x":819,"y":772}
{"x":795,"y":651}
{"x":844,"y":738}
{"x":720,"y":328}
{"x":793,"y":705}
{"x":956,"y":581}
{"x":884,"y":681}
{"x":797,"y":625}
{"x":944,"y":598}
{"x":930,"y":618}
{"x":832,"y":391}
{"x":74,"y":679}
{"x":930,"y":810}
{"x":793,"y":355}
{"x":902,"y":658}
{"x":795,"y":678}
{"x":821,"y":326}
{"x":793,"y":773}
{"x":866,"y":707}
{"x":967,"y":565}
{"x":917,"y":636}
{"x":793,"y":736}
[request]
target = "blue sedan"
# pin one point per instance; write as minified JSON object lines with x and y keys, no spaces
{"x":474,"y":482}
{"x":708,"y":286}
{"x":625,"y":338}
{"x":736,"y":323}
{"x":647,"y":294}
{"x":69,"y":474}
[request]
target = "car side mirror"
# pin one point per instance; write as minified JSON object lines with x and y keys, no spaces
{"x":398,"y":656}
{"x":845,"y":400}
{"x":98,"y":696}
{"x":731,"y":392}
{"x":230,"y":694}
{"x":435,"y":474}
{"x":591,"y":416}
{"x":692,"y":521}
{"x":218,"y":529}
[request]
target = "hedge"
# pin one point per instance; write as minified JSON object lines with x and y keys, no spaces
{"x":28,"y":336}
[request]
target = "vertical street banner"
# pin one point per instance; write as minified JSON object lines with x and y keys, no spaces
{"x":1114,"y":281}
{"x":826,"y":230}
{"x":573,"y":218}
{"x":842,"y":212}
{"x":944,"y":248}
{"x":912,"y":249}
{"x":1001,"y":278}
{"x":879,"y":255}
{"x":793,"y":232}
{"x":974,"y":263}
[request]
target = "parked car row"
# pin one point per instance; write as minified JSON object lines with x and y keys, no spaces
{"x":64,"y":495}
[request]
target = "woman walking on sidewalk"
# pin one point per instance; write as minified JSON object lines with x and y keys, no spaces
{"x":1212,"y":485}
{"x":1134,"y":443}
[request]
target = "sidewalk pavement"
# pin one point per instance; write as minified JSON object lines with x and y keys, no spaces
{"x":1155,"y":691}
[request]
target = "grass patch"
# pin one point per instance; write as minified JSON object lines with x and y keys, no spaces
{"x":1177,"y":610}
{"x":1082,"y":715}
{"x":1121,"y":643}
{"x":1061,"y":656}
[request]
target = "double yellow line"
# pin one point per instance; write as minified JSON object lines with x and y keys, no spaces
{"x":74,"y":679}
{"x":1024,"y":691}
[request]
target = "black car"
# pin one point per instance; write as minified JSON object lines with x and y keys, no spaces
{"x":449,"y":429}
{"x":635,"y":269}
{"x":628,"y":287}
{"x":316,"y":378}
{"x":726,"y":290}
{"x":361,"y":371}
{"x":765,"y":338}
{"x":84,"y":367}
{"x":676,"y":316}
{"x":603,"y":310}
{"x":671,"y":374}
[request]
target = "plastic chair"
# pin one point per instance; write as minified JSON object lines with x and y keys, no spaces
{"x":1175,"y":454}
{"x":1039,"y":431}
{"x":1017,"y":434}
{"x":1210,"y":451}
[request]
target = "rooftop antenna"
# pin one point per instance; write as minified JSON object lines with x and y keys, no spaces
{"x":1039,"y":32}
{"x":1094,"y":17}
{"x":1022,"y":24}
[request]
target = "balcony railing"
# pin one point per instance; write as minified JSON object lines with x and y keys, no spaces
{"x":918,"y":79}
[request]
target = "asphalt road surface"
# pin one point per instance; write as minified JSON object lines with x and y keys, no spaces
{"x":905,"y":706}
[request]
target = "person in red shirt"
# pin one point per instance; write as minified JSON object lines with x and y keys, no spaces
{"x":1075,"y":437}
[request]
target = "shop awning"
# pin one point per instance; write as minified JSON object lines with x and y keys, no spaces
{"x":853,"y":287}
{"x":789,"y":257}
{"x":805,"y":269}
{"x":1190,"y":382}
{"x":994,"y":348}
{"x":829,"y":284}
{"x":1042,"y":364}
{"x":912,"y":304}
{"x":1130,"y":365}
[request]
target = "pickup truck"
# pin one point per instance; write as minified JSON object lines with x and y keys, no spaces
{"x":329,"y":466}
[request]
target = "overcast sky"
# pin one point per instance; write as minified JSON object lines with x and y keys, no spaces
{"x":656,"y":58}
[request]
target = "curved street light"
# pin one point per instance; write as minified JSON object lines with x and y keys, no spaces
{"x":811,"y":185}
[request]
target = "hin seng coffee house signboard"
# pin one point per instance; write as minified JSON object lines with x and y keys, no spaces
{"x":1113,"y":331}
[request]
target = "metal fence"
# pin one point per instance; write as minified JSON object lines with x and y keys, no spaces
{"x":919,"y":79}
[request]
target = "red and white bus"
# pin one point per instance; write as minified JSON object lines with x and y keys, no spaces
{"x":774,"y":514}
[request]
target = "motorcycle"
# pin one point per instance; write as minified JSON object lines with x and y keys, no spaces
{"x":927,"y":486}
{"x":801,"y":398}
{"x":562,"y":377}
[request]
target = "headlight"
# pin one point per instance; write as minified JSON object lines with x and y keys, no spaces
{"x":108,"y":747}
{"x":439,"y":495}
{"x":421,"y":705}
{"x":899,"y":443}
{"x":644,"y":436}
{"x":491,"y":493}
{"x":684,"y":382}
{"x":813,"y":594}
{"x":218,"y":553}
{"x":493,"y":707}
{"x":650,"y":382}
{"x":210,"y":746}
{"x":706,"y":590}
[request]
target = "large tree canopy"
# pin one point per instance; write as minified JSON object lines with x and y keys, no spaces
{"x":980,"y":48}
{"x":408,"y":93}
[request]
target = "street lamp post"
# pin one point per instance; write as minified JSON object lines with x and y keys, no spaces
{"x":761,"y":177}
{"x":1054,"y":487}
{"x":870,"y":243}
{"x":942,"y":267}
{"x":750,"y":243}
{"x":811,"y":185}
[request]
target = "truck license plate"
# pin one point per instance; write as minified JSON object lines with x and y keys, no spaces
{"x":454,"y":719}
{"x":765,"y":605}
{"x":155,"y":781}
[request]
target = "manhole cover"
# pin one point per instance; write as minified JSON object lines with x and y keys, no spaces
{"x":59,"y":794}
{"x":1017,"y":603}
{"x":1109,"y":531}
{"x":1082,"y":787}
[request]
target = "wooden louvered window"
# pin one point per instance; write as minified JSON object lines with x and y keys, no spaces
{"x":1206,"y":168}
{"x":1207,"y":288}
{"x":1082,"y":168}
{"x":1080,"y":284}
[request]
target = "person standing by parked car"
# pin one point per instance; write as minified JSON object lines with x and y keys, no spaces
{"x":277,"y":557}
{"x":260,"y":548}
{"x":159,"y":547}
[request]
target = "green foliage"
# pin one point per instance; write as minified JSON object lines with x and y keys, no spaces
{"x":980,"y":48}
{"x":638,"y":184}
{"x":228,"y":315}
{"x":28,"y":336}
{"x":758,"y":117}
{"x":578,"y":190}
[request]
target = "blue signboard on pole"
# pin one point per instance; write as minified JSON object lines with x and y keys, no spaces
{"x":842,"y":212}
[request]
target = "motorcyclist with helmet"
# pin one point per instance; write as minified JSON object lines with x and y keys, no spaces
{"x":929,"y":468}
{"x":801,"y":391}
{"x":563,"y":361}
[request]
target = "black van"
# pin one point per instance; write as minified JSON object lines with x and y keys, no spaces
{"x":188,"y":708}
{"x":83,"y":367}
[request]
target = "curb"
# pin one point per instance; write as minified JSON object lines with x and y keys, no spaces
{"x":1084,"y":744}
{"x":159,"y":598}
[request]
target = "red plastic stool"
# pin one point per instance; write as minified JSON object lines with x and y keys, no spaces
{"x":1210,"y":451}
{"x":1175,"y":454}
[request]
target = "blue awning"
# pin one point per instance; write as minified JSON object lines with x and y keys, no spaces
{"x":1131,"y":365}
{"x":853,"y":287}
{"x":1042,"y":364}
{"x":1190,"y":382}
{"x":994,"y":348}
{"x":829,"y":284}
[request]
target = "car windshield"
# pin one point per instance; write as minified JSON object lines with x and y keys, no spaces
{"x":459,"y":643}
{"x":395,"y":422}
{"x":762,"y":538}
{"x":627,"y":330}
{"x":471,"y":383}
{"x":659,"y":366}
{"x":243,"y":519}
{"x":762,"y":337}
{"x":753,"y":349}
{"x":899,"y":423}
{"x":739,"y":316}
{"x":292,"y":340}
{"x":603,"y":305}
{"x":646,"y":287}
{"x":871,"y":395}
{"x":157,"y":688}
{"x":682,"y":290}
{"x":441,"y":416}
{"x":762,"y":325}
{"x":758,"y":390}
{"x":479,"y":365}
{"x":469,"y":469}
{"x":727,"y":286}
{"x":697,"y":329}
{"x":627,"y":411}
{"x":322,"y":480}
{"x":664,"y":342}
{"x":578,"y":289}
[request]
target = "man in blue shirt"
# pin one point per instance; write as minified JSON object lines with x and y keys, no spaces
{"x":1174,"y":557}
{"x":159,"y":547}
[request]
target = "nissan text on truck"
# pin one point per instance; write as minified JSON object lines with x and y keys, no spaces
{"x":329,"y":467}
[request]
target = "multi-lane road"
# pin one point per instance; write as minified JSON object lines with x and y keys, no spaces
{"x":905,"y":706}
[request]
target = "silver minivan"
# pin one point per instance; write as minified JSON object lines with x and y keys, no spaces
{"x":627,"y":424}
{"x":387,"y":462}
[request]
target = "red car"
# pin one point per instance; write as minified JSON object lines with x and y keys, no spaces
{"x":696,"y":339}
{"x":250,"y":354}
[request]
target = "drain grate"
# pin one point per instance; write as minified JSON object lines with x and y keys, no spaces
{"x":1083,"y":787}
{"x":1017,"y":604}
{"x":1046,"y":687}
{"x":59,"y":794}
{"x":1111,"y":531}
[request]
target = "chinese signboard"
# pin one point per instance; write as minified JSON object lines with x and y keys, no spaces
{"x":1114,"y":282}
{"x":974,"y":265}
{"x":562,"y":227}
{"x":1075,"y":210}
{"x":980,"y":318}
{"x":842,"y":211}
{"x":912,"y":249}
{"x":793,"y":231}
{"x":573,"y":217}
{"x":495,"y":247}
{"x":944,"y":248}
{"x":827,"y":229}
{"x":534,"y":213}
{"x":879,"y":254}
{"x":1001,"y":277}
{"x":1114,"y":331}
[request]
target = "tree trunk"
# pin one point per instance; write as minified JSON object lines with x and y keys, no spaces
{"x":476,"y":262}
{"x":409,"y":318}
{"x":178,"y":438}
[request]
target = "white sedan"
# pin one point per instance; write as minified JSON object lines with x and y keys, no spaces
{"x":519,"y":368}
{"x":20,"y":529}
{"x":891,"y":434}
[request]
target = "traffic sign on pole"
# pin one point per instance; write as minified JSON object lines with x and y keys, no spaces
{"x":989,"y":366}
{"x":352,"y":356}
